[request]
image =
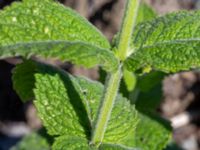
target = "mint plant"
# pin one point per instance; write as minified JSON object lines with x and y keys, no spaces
{"x":83,"y":114}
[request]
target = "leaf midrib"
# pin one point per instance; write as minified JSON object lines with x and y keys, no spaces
{"x":179,"y":41}
{"x":54,"y":42}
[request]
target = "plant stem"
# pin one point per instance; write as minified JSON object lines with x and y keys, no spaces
{"x":127,"y":28}
{"x":113,"y":80}
{"x":111,"y":89}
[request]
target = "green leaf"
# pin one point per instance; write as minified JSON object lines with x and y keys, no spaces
{"x":71,"y":143}
{"x":150,"y":80}
{"x":123,"y":118}
{"x":45,"y":20}
{"x":149,"y":100}
{"x":79,"y":53}
{"x":169,"y":43}
{"x":123,"y":121}
{"x":34,"y":141}
{"x":47,"y":29}
{"x":149,"y":91}
{"x":152,"y":133}
{"x":121,"y":127}
{"x":68,"y":106}
{"x":23,"y":80}
{"x":64,"y":100}
{"x":130,"y":79}
{"x":60,"y":114}
{"x":145,"y":13}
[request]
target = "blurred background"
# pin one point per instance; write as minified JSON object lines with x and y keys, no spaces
{"x":181,"y":92}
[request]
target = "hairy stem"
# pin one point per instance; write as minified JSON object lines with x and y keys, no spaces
{"x":111,"y":89}
{"x":127,"y":28}
{"x":113,"y":80}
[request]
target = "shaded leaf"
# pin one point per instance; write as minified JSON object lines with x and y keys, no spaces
{"x":152,"y":133}
{"x":149,"y":91}
{"x":34,"y":141}
{"x":149,"y":101}
{"x":23,"y":80}
{"x":150,"y":80}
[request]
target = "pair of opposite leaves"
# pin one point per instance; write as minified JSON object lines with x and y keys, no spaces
{"x":68,"y":107}
{"x":169,"y":43}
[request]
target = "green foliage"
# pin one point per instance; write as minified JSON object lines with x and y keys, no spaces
{"x":51,"y":82}
{"x":30,"y":28}
{"x":23,"y":80}
{"x":169,"y":43}
{"x":130,"y":79}
{"x":52,"y":98}
{"x":72,"y":108}
{"x":145,"y":13}
{"x":55,"y":92}
{"x":33,"y":141}
{"x":34,"y":21}
{"x":123,"y":118}
{"x":149,"y":91}
{"x":71,"y":143}
{"x":153,"y":133}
